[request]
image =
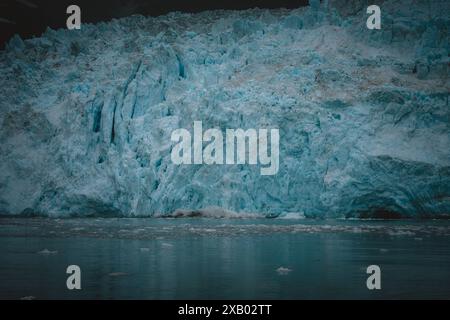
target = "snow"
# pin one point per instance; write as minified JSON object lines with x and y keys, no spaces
{"x":86,"y":115}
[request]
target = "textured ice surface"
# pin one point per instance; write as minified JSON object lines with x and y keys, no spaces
{"x":364,"y":119}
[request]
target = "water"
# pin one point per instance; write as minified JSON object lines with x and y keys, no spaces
{"x":223,"y":258}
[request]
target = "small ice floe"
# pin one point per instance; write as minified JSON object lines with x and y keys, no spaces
{"x":117,"y":274}
{"x":384,"y":250}
{"x":418,"y":239}
{"x":400,"y":233}
{"x":28,"y":298}
{"x":282,"y":271}
{"x":145,"y":249}
{"x":47,"y":252}
{"x":166,"y":244}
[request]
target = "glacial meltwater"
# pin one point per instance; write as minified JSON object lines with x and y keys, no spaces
{"x":203,"y":258}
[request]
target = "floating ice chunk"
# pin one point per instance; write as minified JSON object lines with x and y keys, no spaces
{"x":117,"y":274}
{"x":167,"y":245}
{"x":400,"y":233}
{"x":47,"y":252}
{"x":282,"y":271}
{"x":77,"y":229}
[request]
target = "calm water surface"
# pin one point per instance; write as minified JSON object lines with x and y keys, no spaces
{"x":223,"y":258}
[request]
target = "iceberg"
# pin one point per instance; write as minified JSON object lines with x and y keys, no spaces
{"x":363,"y":115}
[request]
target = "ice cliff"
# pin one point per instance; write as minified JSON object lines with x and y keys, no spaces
{"x":364,"y":119}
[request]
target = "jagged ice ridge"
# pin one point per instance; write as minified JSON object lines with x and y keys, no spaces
{"x":364,"y":119}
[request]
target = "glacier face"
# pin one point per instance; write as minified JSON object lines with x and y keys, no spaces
{"x":86,"y":116}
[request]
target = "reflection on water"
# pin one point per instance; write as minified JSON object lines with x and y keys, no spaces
{"x":230,"y":259}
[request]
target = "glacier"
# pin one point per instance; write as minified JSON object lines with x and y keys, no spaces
{"x":86,"y":115}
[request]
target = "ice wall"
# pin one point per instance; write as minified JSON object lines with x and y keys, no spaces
{"x":86,"y":116}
